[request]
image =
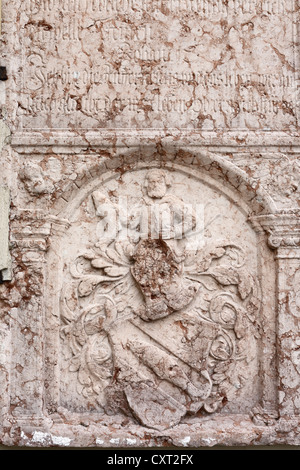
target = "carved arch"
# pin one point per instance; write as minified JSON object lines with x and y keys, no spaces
{"x":250,"y":197}
{"x":213,"y":171}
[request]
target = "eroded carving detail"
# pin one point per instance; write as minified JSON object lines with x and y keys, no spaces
{"x":154,"y":330}
{"x":279,"y":176}
{"x":34,"y":180}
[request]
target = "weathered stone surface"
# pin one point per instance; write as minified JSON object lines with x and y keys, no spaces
{"x":150,"y":158}
{"x":193,"y":64}
{"x":4,"y":229}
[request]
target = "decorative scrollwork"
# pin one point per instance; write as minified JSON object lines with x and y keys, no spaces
{"x":141,"y":315}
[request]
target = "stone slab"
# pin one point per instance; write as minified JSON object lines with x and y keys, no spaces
{"x":188,"y":64}
{"x":5,"y":263}
{"x":150,"y":158}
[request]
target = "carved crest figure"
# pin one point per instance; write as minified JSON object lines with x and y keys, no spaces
{"x":156,"y":331}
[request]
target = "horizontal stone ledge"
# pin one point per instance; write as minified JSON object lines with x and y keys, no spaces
{"x":25,"y":142}
{"x":229,"y":430}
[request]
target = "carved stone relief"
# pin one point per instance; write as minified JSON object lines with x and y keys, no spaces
{"x":161,"y":297}
{"x":158,"y":321}
{"x":34,"y":180}
{"x":149,"y":223}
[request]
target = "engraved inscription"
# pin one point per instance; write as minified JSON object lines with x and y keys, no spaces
{"x":206,"y":7}
{"x":122,"y":63}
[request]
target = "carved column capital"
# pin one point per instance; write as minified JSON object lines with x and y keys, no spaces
{"x":31,"y":230}
{"x":277,"y":240}
{"x":283,"y":231}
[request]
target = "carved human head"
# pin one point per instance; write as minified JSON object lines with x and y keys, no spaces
{"x":156,"y":183}
{"x":34,"y":180}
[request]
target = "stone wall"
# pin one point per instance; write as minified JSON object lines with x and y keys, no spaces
{"x":150,"y":229}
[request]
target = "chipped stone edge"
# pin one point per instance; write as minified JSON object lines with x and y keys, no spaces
{"x":233,"y":430}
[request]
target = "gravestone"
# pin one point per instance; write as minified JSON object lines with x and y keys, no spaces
{"x":150,"y":154}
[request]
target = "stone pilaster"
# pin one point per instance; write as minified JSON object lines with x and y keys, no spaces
{"x":284,"y":237}
{"x":29,"y":236}
{"x":5,"y":263}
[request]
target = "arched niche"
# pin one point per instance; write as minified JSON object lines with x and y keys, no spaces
{"x":160,"y":327}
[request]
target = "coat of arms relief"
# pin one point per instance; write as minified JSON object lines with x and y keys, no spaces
{"x":159,"y":316}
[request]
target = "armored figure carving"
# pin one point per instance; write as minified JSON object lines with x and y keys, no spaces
{"x":164,"y":223}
